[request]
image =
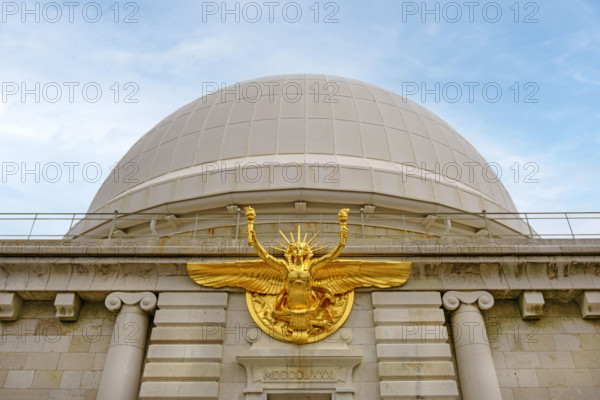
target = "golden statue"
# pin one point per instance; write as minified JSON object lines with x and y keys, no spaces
{"x":299,"y":299}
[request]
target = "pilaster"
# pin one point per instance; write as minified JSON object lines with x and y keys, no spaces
{"x":123,"y":365}
{"x":478,"y":379}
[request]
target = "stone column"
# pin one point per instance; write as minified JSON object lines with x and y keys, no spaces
{"x":123,"y":366}
{"x":478,"y":379}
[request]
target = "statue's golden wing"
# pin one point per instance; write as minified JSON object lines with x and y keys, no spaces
{"x":255,"y":275}
{"x":341,"y":276}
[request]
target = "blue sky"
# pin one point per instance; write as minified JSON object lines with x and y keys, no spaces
{"x":549,"y":51}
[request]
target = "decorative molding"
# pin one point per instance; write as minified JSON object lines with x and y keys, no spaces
{"x":10,"y":306}
{"x":589,"y":305}
{"x":452,"y":299}
{"x":145,"y":300}
{"x":531,"y":304}
{"x":99,"y":275}
{"x":67,"y":306}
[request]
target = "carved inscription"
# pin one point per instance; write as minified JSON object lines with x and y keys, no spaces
{"x":299,"y":375}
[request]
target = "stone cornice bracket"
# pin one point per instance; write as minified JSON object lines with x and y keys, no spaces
{"x":67,"y":306}
{"x":10,"y":306}
{"x":453,"y":299}
{"x":145,"y":300}
{"x":531,"y":304}
{"x":589,"y":304}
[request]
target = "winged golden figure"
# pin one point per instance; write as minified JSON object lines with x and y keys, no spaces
{"x":300,"y":298}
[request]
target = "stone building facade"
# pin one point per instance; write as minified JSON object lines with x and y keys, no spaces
{"x":491,"y":310}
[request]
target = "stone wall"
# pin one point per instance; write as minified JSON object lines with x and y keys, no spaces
{"x":554,"y":358}
{"x":42,"y":358}
{"x":184,"y":356}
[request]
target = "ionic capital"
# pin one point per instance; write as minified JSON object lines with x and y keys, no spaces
{"x":145,"y":300}
{"x":453,"y":299}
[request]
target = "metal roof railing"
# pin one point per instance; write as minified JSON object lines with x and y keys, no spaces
{"x":542,"y":225}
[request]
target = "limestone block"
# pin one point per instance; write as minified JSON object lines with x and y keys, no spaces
{"x":71,"y":379}
{"x":41,"y":361}
{"x":366,"y":372}
{"x":387,"y":316}
{"x":76,"y":361}
{"x":10,"y":361}
{"x":10,"y":306}
{"x":531,"y":304}
{"x":198,"y":390}
{"x":60,"y":344}
{"x":232,"y":391}
{"x":46,"y":379}
{"x":531,"y":394}
{"x":3,"y":374}
{"x":567,"y":342}
{"x":180,"y":390}
{"x":29,"y":344}
{"x":360,"y":319}
{"x":590,"y":341}
{"x":586,"y":359}
{"x":521,"y":359}
{"x":589,"y":304}
{"x":60,"y":394}
{"x":393,"y":390}
{"x":527,"y":378}
{"x":32,"y":394}
{"x":67,"y":306}
{"x":232,"y":373}
{"x":183,"y":317}
{"x":91,"y":379}
{"x":361,"y":336}
{"x":413,"y":351}
{"x":182,"y":371}
{"x":99,"y":362}
{"x":201,"y":334}
{"x":192,"y":300}
{"x":412,"y":332}
{"x":413,"y":370}
{"x":564,"y":378}
{"x":556,"y":359}
{"x":407,"y":299}
{"x":19,"y":379}
{"x":574,"y":393}
{"x":507,"y":378}
{"x":577,"y":325}
{"x":187,"y":352}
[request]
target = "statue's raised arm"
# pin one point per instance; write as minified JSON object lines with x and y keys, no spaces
{"x":252,"y":241}
{"x":337,"y":250}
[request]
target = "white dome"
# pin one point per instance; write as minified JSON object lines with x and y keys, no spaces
{"x":251,"y":144}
